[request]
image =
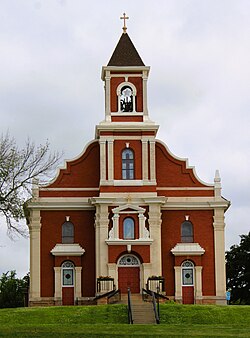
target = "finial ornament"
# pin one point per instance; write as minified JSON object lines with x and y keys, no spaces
{"x":124,"y":18}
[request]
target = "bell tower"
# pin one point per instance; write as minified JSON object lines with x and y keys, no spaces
{"x":126,"y":135}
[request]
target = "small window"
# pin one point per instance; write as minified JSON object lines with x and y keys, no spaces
{"x":126,"y":99}
{"x":127,"y":164}
{"x":128,"y":228}
{"x":187,"y":273}
{"x":187,"y":235}
{"x":67,"y":233}
{"x":68,"y":274}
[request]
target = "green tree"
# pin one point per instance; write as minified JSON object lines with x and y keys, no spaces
{"x":18,"y":167}
{"x":13,"y":290}
{"x":238,"y":271}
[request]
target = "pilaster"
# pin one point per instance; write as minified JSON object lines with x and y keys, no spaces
{"x":152,"y":160}
{"x":178,"y":284}
{"x":102,"y":160}
{"x":78,"y":282}
{"x":101,"y":232}
{"x":198,"y":282}
{"x":35,"y":230}
{"x":110,"y":160}
{"x":58,"y":282}
{"x":155,"y":234}
{"x":107,"y":96}
{"x":219,"y":250}
{"x":145,"y":95}
{"x":144,"y":160}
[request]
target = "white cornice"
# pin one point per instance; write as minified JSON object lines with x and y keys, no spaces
{"x":129,"y":242}
{"x":58,"y":203}
{"x":190,"y":249}
{"x":123,"y":69}
{"x":194,"y":203}
{"x":67,"y":250}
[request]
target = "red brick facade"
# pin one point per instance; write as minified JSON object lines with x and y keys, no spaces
{"x":91,"y":200}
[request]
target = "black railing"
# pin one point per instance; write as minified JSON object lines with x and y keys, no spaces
{"x":106,"y":294}
{"x":130,"y":315}
{"x":156,"y":310}
{"x":114,"y":296}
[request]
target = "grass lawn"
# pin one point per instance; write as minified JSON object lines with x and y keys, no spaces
{"x":110,"y":321}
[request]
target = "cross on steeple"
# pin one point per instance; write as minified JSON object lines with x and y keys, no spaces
{"x":124,"y":18}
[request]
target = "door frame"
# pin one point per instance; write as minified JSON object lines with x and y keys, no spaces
{"x":129,"y":261}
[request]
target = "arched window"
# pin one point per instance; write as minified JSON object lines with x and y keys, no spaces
{"x":126,"y":99}
{"x":68,"y":273}
{"x":127,"y":164}
{"x":129,"y":260}
{"x":187,"y":235}
{"x":187,"y":273}
{"x":128,"y":228}
{"x":67,"y":233}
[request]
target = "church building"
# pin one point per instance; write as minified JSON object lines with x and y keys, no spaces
{"x":127,"y":213}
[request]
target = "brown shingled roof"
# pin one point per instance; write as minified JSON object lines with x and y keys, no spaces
{"x":125,"y":53}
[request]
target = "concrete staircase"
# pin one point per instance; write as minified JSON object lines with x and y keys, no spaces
{"x":142,"y":312}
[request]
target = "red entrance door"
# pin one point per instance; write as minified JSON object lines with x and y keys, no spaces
{"x":68,"y":296}
{"x":129,"y":277}
{"x":188,"y":295}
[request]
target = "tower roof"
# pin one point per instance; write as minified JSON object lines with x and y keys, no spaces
{"x":125,"y":53}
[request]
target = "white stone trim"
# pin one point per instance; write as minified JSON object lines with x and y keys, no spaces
{"x":184,"y":188}
{"x":67,"y":250}
{"x":128,"y":69}
{"x":126,"y":114}
{"x":58,"y":282}
{"x":59,"y":203}
{"x":219,"y":252}
{"x":69,"y":189}
{"x":110,"y":160}
{"x":190,"y":249}
{"x":144,"y":159}
{"x":178,"y":283}
{"x":119,"y":241}
{"x":152,"y":160}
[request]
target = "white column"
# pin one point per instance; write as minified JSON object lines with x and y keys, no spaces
{"x":198,"y":283}
{"x":78,"y":282}
{"x":107,"y":96}
{"x":34,"y":230}
{"x":102,"y":160}
{"x":115,"y":231}
{"x":219,"y":250}
{"x":155,"y":234}
{"x":58,"y":282}
{"x":101,"y":231}
{"x":152,"y":161}
{"x":145,"y":95}
{"x":144,"y":160}
{"x":110,"y":160}
{"x":178,"y":283}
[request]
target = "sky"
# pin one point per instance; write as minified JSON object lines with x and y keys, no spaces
{"x":51,"y":54}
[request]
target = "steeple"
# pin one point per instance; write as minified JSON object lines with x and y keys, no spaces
{"x":125,"y":53}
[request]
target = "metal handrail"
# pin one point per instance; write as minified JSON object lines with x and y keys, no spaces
{"x":130,"y":315}
{"x":157,"y":319}
{"x":106,"y":294}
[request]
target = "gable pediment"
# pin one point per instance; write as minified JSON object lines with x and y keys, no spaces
{"x":128,"y":208}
